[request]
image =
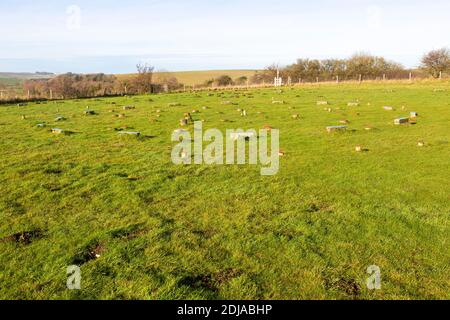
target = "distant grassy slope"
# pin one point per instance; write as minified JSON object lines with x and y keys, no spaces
{"x":199,"y":77}
{"x":24,"y":75}
{"x":14,"y":80}
{"x":9,"y":82}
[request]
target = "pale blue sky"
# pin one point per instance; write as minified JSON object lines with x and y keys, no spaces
{"x":112,"y":36}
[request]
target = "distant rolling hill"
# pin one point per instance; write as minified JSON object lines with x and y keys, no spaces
{"x":14,"y":80}
{"x":25,"y":75}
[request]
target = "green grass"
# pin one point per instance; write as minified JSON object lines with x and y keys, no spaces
{"x":10,"y":84}
{"x":209,"y":232}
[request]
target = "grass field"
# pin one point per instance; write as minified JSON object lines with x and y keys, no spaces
{"x":12,"y":82}
{"x":190,"y":78}
{"x":162,"y":231}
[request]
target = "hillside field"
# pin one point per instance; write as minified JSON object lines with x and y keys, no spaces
{"x":141,"y":227}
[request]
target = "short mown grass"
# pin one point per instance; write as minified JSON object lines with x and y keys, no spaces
{"x":141,"y":227}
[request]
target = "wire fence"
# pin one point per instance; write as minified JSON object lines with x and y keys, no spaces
{"x":16,"y":95}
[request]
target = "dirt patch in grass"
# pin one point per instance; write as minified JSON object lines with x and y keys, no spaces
{"x":349,"y":286}
{"x":52,"y":187}
{"x":226,"y":275}
{"x":24,"y":237}
{"x":128,"y":233}
{"x":317,"y":206}
{"x":52,"y":171}
{"x":90,"y":252}
{"x":199,"y":282}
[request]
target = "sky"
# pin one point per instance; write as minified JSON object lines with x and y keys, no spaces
{"x":112,"y":36}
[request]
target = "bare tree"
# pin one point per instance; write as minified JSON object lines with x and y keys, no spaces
{"x":436,"y":61}
{"x":222,"y":81}
{"x":143,"y":81}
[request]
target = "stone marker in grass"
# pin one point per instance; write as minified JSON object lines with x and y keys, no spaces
{"x":41,"y":125}
{"x":336,"y":128}
{"x":353,"y":104}
{"x":322,"y":103}
{"x":421,"y":143}
{"x":128,"y":107}
{"x":89,"y":112}
{"x":246,"y":135}
{"x":60,"y":118}
{"x":388,"y":108}
{"x":401,"y":121}
{"x":121,"y":128}
{"x":188,"y":116}
{"x":180,"y":131}
{"x":57,"y":131}
{"x":130,"y":133}
{"x":295,"y":116}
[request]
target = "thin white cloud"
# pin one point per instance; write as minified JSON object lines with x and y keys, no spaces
{"x":250,"y":31}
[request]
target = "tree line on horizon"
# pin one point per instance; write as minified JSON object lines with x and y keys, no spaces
{"x":360,"y":66}
{"x":72,"y":85}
